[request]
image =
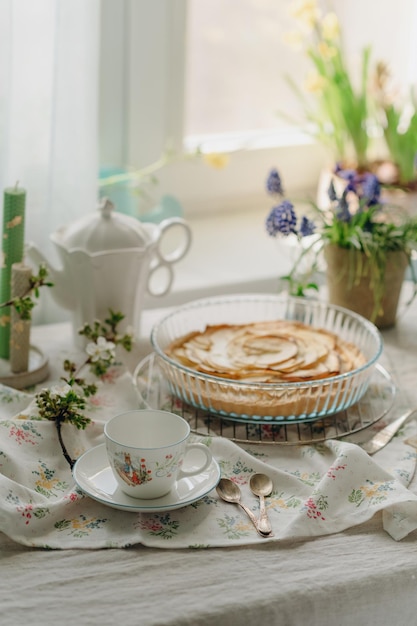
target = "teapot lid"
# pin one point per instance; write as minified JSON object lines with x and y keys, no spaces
{"x":104,"y":230}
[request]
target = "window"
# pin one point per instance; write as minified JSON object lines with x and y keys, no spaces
{"x":144,"y":99}
{"x":195,"y":73}
{"x":234,"y":68}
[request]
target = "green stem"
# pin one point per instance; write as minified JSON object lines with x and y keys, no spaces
{"x":142,"y":173}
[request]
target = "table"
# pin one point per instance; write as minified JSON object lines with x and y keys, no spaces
{"x":360,"y":576}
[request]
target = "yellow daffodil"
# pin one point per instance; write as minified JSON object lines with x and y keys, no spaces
{"x":330,"y":27}
{"x":306,"y":11}
{"x":371,"y":104}
{"x":326,"y":51}
{"x":314,"y":83}
{"x":217,"y":160}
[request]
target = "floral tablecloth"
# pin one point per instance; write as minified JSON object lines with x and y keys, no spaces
{"x":318,"y":489}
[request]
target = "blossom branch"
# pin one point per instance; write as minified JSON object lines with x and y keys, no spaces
{"x":66,"y":403}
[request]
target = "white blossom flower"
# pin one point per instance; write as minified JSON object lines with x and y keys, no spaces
{"x":59,"y":390}
{"x":101,"y":350}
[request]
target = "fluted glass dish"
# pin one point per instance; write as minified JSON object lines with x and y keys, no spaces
{"x":278,"y":402}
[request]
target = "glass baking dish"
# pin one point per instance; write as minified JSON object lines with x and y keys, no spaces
{"x":267,"y":402}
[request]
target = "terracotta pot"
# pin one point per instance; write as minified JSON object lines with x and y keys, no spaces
{"x":351,"y":285}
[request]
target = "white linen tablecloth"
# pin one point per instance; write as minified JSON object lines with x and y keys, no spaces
{"x":356,"y":576}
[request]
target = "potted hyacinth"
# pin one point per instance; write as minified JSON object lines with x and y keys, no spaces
{"x":342,"y":107}
{"x":366,"y":245}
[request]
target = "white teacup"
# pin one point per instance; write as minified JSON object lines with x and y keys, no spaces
{"x":146,"y":450}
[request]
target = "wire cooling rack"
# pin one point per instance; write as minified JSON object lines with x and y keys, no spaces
{"x":375,"y":404}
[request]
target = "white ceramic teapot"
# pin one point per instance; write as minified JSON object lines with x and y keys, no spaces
{"x":108,"y":261}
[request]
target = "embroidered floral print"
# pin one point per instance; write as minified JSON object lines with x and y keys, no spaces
{"x":316,"y":506}
{"x":81,"y":526}
{"x":318,"y":489}
{"x":371,"y":492}
{"x":160,"y":526}
{"x":234,"y":527}
{"x":47,"y":483}
{"x":22,"y":432}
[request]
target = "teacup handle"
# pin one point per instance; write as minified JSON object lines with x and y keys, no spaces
{"x":166,"y":260}
{"x":197,"y":470}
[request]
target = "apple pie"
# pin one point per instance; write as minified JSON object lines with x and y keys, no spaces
{"x":267,"y":352}
{"x":241,"y":370}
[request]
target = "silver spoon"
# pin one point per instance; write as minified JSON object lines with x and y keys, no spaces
{"x":230,"y":492}
{"x":261,"y":485}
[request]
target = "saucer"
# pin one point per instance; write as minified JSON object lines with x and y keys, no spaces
{"x":93,"y":475}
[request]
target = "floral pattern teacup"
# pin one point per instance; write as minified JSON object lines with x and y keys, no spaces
{"x":147,"y":449}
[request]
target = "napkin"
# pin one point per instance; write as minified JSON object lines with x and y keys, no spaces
{"x":318,"y":489}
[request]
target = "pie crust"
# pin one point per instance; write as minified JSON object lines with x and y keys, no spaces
{"x":264,"y":355}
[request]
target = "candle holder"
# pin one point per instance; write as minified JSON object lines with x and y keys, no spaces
{"x":20,"y":328}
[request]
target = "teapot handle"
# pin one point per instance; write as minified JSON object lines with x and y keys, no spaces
{"x":165,"y":260}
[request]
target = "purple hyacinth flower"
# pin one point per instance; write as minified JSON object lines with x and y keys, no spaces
{"x":307,"y":227}
{"x":273,"y":183}
{"x":371,"y":189}
{"x":348,"y":175}
{"x":352,"y":179}
{"x":282,"y":219}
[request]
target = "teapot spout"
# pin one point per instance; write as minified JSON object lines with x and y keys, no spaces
{"x":60,"y":291}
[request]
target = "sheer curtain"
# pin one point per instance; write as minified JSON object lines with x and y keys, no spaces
{"x":49,"y":57}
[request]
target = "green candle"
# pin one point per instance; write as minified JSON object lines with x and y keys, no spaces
{"x":12,"y":252}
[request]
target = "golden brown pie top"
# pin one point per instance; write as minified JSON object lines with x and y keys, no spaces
{"x":273,"y":351}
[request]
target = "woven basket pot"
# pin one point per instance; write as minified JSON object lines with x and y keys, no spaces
{"x":351,"y":285}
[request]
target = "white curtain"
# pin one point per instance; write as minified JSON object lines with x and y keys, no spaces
{"x":49,"y":57}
